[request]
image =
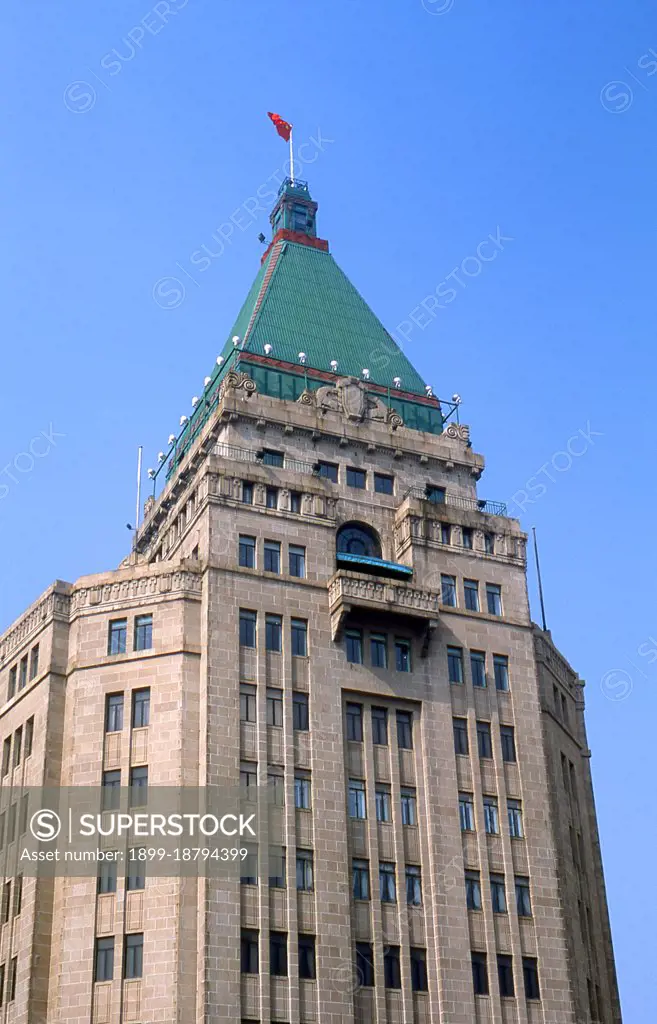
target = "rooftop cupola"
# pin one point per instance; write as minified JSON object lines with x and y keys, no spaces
{"x":295,"y":210}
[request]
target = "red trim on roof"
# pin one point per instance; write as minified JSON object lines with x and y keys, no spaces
{"x":285,"y":235}
{"x":313,"y":372}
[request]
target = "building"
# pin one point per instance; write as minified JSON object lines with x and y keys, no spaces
{"x":318,"y":600}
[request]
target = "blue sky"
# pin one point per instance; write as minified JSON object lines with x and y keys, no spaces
{"x":132,"y":135}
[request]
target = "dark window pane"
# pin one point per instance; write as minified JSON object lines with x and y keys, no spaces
{"x":274,"y":633}
{"x":134,"y":956}
{"x":247,"y":628}
{"x":118,"y":632}
{"x":141,"y":708}
{"x":479,"y":974}
{"x":114,"y":712}
{"x":299,"y":628}
{"x":405,"y":730}
{"x":356,"y":478}
{"x":143,"y":632}
{"x":383,"y":484}
{"x":300,"y":711}
{"x":247,"y":552}
{"x":391,"y":968}
{"x":104,"y":960}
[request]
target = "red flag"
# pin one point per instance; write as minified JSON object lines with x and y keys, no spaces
{"x":283,"y":128}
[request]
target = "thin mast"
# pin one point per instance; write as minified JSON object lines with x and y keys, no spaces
{"x":540,"y":582}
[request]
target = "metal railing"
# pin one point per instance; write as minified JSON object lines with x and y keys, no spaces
{"x":491,"y":508}
{"x":238,"y":454}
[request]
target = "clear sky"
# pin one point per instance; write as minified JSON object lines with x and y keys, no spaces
{"x":133,"y":133}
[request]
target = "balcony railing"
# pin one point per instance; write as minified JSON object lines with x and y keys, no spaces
{"x":491,"y":508}
{"x":238,"y":454}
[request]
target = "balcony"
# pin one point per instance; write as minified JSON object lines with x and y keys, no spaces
{"x":350,"y":591}
{"x":442,"y":497}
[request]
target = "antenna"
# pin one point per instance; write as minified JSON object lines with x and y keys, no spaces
{"x":139,"y":457}
{"x":540,"y":582}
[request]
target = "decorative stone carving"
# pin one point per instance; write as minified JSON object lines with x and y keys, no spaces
{"x":234,"y":381}
{"x":148,"y":505}
{"x":350,"y":397}
{"x":457,"y":431}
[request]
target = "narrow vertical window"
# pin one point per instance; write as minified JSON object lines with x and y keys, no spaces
{"x":249,"y":959}
{"x":494,"y":598}
{"x":354,"y":717}
{"x":247,"y":628}
{"x":471,"y":595}
{"x":413,"y":885}
{"x":466,"y":534}
{"x":22,"y":673}
{"x":501,"y":669}
{"x":380,"y":727}
{"x":530,"y":975}
{"x":141,"y":708}
{"x":354,"y":646}
{"x":402,"y":655}
{"x":408,"y":806}
{"x":360,"y":879}
{"x":278,"y":954}
{"x":114,"y":712}
{"x":247,"y":492}
{"x":117,"y":636}
{"x":484,"y":740}
{"x":505,"y":976}
{"x":461,"y":745}
{"x":247,"y":552}
{"x":479,"y":974}
{"x":297,"y":560}
{"x":507,"y":736}
{"x":307,"y":956}
{"x":111,"y":791}
{"x":448,"y":590}
{"x":455,"y":665}
{"x":139,"y":786}
{"x":305,"y":870}
{"x":356,"y":799}
{"x":104,"y":960}
{"x":515,"y":819}
{"x":378,"y":650}
{"x":405,"y":730}
{"x":143,"y":632}
{"x":247,"y":702}
{"x":34,"y":661}
{"x":365,"y":964}
{"x":134,"y":956}
{"x":498,"y":894}
{"x":295,"y":502}
{"x":272,"y":556}
{"x":299,"y":636}
{"x":478,"y":668}
{"x":466,"y":812}
{"x":523,"y":897}
{"x":491,"y":815}
{"x":300,"y":717}
{"x":274,"y":707}
{"x":472,"y":890}
{"x":11,"y":686}
{"x":391,"y":968}
{"x":271,"y":498}
{"x":274,"y":633}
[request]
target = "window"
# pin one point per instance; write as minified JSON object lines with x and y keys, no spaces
{"x":138,"y":786}
{"x":11,"y":688}
{"x":378,"y":650}
{"x":295,"y":502}
{"x":276,"y":784}
{"x":11,"y":987}
{"x":356,"y":801}
{"x":18,"y":745}
{"x":418,"y":969}
{"x":247,"y":552}
{"x":360,"y":879}
{"x":354,"y":713}
{"x":489,"y":543}
{"x":391,"y":969}
{"x":555,"y":695}
{"x":383,"y":803}
{"x":484,"y":742}
{"x":523,"y":897}
{"x":405,"y":730}
{"x":2,"y":829}
{"x":297,"y":560}
{"x":249,"y":959}
{"x":494,"y":598}
{"x":507,"y":735}
{"x":306,"y":956}
{"x":278,"y":954}
{"x":505,"y":976}
{"x":271,"y":497}
{"x":300,"y":715}
{"x":143,"y":632}
{"x":111,"y":791}
{"x":135,"y":879}
{"x":479,"y":974}
{"x":435,"y":494}
{"x":514,"y":808}
{"x":384,"y":484}
{"x":408,"y":806}
{"x":466,"y":812}
{"x":328,"y":470}
{"x":299,"y":638}
{"x":18,"y":895}
{"x":34,"y":661}
{"x":305,"y":870}
{"x":466,"y":534}
{"x":461,"y":745}
{"x":445,"y":533}
{"x":403,"y":655}
{"x":448,"y":590}
{"x":247,"y":703}
{"x":380,"y":726}
{"x":365,"y":964}
{"x":22,"y":673}
{"x":249,"y":778}
{"x":141,"y":708}
{"x":249,"y":866}
{"x":472,"y":890}
{"x":114,"y":712}
{"x":274,"y":707}
{"x":104,"y":960}
{"x":11,"y":823}
{"x":564,"y":708}
{"x":354,"y":646}
{"x":356,"y":478}
{"x":478,"y":668}
{"x":498,"y":894}
{"x":106,"y":877}
{"x":272,"y":458}
{"x":247,"y":492}
{"x":118,"y":632}
{"x":277,"y":867}
{"x":29,"y":735}
{"x":272,"y":556}
{"x":274,"y":633}
{"x":413,"y":885}
{"x":491,"y":816}
{"x":471,"y":594}
{"x":24,"y":814}
{"x":6,"y":903}
{"x":530,"y":975}
{"x":501,"y":669}
{"x":358,"y":539}
{"x":302,"y":790}
{"x":455,"y":664}
{"x":6,"y":756}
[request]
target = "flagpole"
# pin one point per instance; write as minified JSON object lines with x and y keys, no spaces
{"x":291,"y":158}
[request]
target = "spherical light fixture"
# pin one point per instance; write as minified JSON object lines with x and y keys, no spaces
{"x":302,"y":357}
{"x":183,"y":421}
{"x":172,"y":438}
{"x":396,"y":381}
{"x":268,"y":349}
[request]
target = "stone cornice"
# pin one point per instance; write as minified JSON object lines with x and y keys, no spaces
{"x":54,"y":603}
{"x":168,"y":580}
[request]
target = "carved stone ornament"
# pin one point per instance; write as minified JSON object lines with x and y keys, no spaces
{"x":234,"y":381}
{"x":457,"y":431}
{"x":350,"y":397}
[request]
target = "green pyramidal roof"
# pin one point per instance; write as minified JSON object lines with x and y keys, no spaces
{"x":302,"y":302}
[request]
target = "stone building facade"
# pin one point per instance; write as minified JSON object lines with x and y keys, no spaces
{"x":319,"y":601}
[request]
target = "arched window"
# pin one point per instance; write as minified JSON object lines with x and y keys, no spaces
{"x":358,"y":539}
